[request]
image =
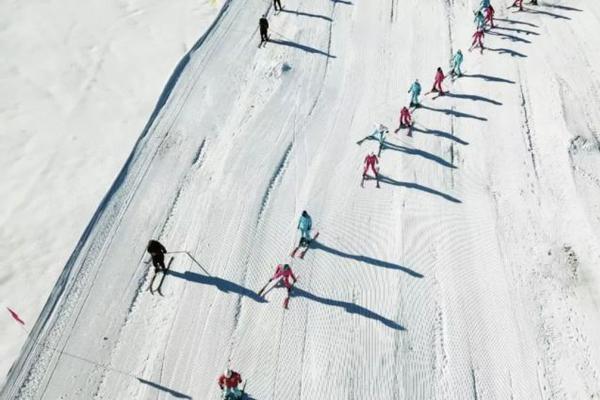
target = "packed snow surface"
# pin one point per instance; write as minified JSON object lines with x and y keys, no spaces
{"x":472,"y":273}
{"x":78,"y":81}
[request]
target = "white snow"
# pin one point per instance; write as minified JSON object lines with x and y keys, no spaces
{"x":78,"y":81}
{"x":471,"y":274}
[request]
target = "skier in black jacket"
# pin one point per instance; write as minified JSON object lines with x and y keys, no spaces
{"x":277,"y":3}
{"x":264,"y":29}
{"x":157,"y":251}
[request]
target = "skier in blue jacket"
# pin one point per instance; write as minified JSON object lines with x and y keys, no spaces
{"x":415,"y":91}
{"x":457,"y":61}
{"x":484,"y":4}
{"x":305,"y":225}
{"x":479,"y":19}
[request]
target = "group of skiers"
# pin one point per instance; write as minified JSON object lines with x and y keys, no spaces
{"x":229,"y":382}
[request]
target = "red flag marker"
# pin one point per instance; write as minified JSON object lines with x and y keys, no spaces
{"x":15,"y":316}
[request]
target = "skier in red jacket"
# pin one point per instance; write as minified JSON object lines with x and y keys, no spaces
{"x":478,"y":40}
{"x":437,"y":83}
{"x":229,"y":382}
{"x":405,"y":117}
{"x":371,"y":161}
{"x":489,"y":15}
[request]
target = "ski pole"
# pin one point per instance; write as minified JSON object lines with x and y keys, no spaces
{"x":201,"y":267}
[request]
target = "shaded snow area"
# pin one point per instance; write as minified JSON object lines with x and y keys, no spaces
{"x":471,"y":273}
{"x":78,"y":80}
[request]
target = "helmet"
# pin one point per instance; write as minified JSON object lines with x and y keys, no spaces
{"x":228,"y":373}
{"x":286,"y":266}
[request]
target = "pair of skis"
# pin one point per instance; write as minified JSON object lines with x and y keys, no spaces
{"x":304,"y":248}
{"x":152,"y":288}
{"x":240,"y":397}
{"x":367,"y":176}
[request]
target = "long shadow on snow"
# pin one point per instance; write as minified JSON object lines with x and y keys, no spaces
{"x":349,"y":307}
{"x":223,"y":285}
{"x":454,"y":113}
{"x":165,"y":389}
{"x":348,"y":3}
{"x":417,"y":152}
{"x":507,"y":36}
{"x":390,"y":181}
{"x":488,"y":78}
{"x":565,"y":8}
{"x":439,"y":133}
{"x":515,"y":22}
{"x":548,"y":13}
{"x":308,"y":49}
{"x":473,"y":97}
{"x":305,"y":14}
{"x":317,"y":245}
{"x":510,"y":52}
{"x":517,"y":30}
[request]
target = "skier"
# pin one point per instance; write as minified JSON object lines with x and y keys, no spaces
{"x":479,"y":19}
{"x":263,"y":23}
{"x":478,"y":40}
{"x":405,"y":118}
{"x":371,"y":161}
{"x":489,"y":15}
{"x":229,"y":382}
{"x":518,"y":3}
{"x":305,"y":225}
{"x":277,"y":3}
{"x":157,"y":252}
{"x":415,"y":91}
{"x":437,"y":83}
{"x":457,"y":61}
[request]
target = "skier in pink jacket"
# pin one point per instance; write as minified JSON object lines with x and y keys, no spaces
{"x":284,"y":273}
{"x":437,"y":84}
{"x":405,"y":117}
{"x":478,"y":40}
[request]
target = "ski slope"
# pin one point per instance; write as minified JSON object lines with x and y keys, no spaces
{"x":471,"y":273}
{"x":70,"y":112}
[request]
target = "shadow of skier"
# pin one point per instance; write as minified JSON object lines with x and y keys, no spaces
{"x":510,"y":52}
{"x":308,"y":49}
{"x":165,"y":389}
{"x":417,"y":152}
{"x":439,"y":133}
{"x":317,"y":245}
{"x":473,"y":97}
{"x":488,"y":78}
{"x":454,"y":113}
{"x":223,"y":285}
{"x":409,"y":185}
{"x":305,"y":14}
{"x":351,"y":308}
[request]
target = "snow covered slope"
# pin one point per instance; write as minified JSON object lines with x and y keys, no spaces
{"x":78,"y":81}
{"x":471,"y":273}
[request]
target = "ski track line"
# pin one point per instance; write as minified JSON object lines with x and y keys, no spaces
{"x":145,"y":278}
{"x":273,"y":182}
{"x":29,"y":384}
{"x":82,"y":281}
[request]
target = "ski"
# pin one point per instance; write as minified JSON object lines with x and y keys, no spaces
{"x":294,"y":251}
{"x":286,"y":301}
{"x":260,"y":292}
{"x":162,"y":279}
{"x":308,"y":245}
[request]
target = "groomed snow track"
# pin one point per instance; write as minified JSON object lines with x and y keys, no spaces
{"x":471,"y":274}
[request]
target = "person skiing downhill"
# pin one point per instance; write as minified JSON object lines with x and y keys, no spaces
{"x":415,"y":92}
{"x":478,"y":40}
{"x":371,"y":161}
{"x":405,"y":117}
{"x":263,"y":24}
{"x":437,"y":83}
{"x":229,"y":382}
{"x":305,"y":225}
{"x":157,"y":252}
{"x":457,"y":61}
{"x":277,"y":3}
{"x":518,"y":3}
{"x":489,"y":15}
{"x":479,"y":19}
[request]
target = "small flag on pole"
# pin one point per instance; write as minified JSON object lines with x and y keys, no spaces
{"x":15,"y":316}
